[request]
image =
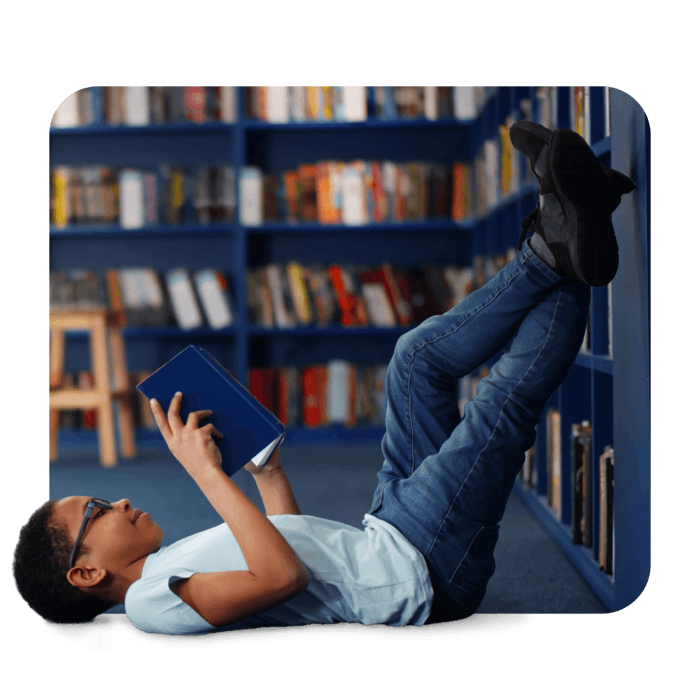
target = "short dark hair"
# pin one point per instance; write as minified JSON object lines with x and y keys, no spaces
{"x":40,"y":566}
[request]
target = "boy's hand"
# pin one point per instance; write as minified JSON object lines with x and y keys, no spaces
{"x":275,"y":462}
{"x":193,"y":447}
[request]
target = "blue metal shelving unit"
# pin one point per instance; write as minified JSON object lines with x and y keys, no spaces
{"x":609,"y":389}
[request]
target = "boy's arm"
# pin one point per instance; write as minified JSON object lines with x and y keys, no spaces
{"x":275,"y":489}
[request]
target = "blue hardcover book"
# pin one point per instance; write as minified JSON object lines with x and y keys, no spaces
{"x":251,"y":432}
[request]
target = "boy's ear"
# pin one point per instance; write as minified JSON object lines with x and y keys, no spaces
{"x":85,"y":576}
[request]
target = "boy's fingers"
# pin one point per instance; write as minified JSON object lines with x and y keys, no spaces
{"x":194,"y":418}
{"x":161,"y":421}
{"x":174,"y":412}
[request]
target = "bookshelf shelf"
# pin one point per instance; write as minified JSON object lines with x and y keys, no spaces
{"x":613,"y":394}
{"x":602,"y":148}
{"x":595,"y":362}
{"x":231,"y":331}
{"x":386,"y":227}
{"x":151,"y":129}
{"x":328,"y":331}
{"x":370,"y":123}
{"x":165,"y":230}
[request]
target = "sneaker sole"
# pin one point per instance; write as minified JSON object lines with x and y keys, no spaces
{"x":530,"y":138}
{"x":581,"y":188}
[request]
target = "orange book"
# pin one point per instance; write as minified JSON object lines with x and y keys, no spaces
{"x":311,"y":398}
{"x":458,"y":192}
{"x":399,"y":199}
{"x":328,"y":213}
{"x":346,"y":301}
{"x":116,"y":303}
{"x":290,"y":194}
{"x":378,"y":195}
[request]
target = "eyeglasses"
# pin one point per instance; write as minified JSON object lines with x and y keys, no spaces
{"x":100,"y":503}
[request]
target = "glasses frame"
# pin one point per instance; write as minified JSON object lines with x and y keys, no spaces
{"x":92,"y":503}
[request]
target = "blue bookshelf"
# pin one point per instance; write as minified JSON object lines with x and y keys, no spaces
{"x":608,"y":385}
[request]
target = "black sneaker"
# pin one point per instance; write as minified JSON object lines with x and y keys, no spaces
{"x":577,"y":196}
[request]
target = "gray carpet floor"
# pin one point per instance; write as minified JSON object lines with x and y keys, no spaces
{"x":336,"y":482}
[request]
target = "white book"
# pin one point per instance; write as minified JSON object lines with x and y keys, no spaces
{"x":276,"y":282}
{"x":355,"y":104}
{"x":228,"y":105}
{"x":182,"y":297}
{"x":251,"y":196}
{"x":338,"y":391}
{"x":352,"y":211}
{"x":213,"y":298}
{"x":606,"y":107}
{"x":131,"y":199}
{"x":431,"y":103}
{"x":130,"y":288}
{"x":278,"y":105}
{"x":465,"y":103}
{"x":137,"y":105}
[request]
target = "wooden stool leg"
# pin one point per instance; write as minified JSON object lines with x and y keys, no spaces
{"x":56,"y":358}
{"x":54,"y":418}
{"x":105,"y":417}
{"x":127,"y":445}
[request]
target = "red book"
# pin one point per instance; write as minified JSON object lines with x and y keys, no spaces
{"x":311,"y":398}
{"x":195,"y":104}
{"x":345,"y":300}
{"x":401,"y":308}
{"x":261,"y":384}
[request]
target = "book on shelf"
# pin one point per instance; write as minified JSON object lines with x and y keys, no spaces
{"x":581,"y":476}
{"x":546,"y":101}
{"x":528,"y":472}
{"x":215,"y":296}
{"x":250,"y":431}
{"x":606,"y":510}
{"x":580,"y":114}
{"x":553,"y":427}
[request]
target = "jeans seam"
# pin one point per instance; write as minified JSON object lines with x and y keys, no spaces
{"x":454,"y":330}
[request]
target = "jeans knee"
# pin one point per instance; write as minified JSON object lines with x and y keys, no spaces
{"x":410,"y":341}
{"x":405,"y":346}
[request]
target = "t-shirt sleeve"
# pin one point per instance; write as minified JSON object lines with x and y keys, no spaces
{"x":152,"y":606}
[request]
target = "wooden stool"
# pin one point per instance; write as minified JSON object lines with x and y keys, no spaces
{"x":99,"y":324}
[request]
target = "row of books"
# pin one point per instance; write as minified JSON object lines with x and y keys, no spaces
{"x":335,"y":393}
{"x":329,"y":192}
{"x":312,"y":396}
{"x":278,"y":295}
{"x":355,"y":104}
{"x":582,"y":475}
{"x":299,"y":104}
{"x":135,"y":198}
{"x":143,"y":105}
{"x":355,"y":193}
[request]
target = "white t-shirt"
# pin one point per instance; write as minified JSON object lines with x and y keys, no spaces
{"x":375,"y":576}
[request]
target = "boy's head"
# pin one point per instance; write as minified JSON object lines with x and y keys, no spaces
{"x":108,"y":559}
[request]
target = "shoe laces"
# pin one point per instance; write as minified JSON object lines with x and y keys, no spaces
{"x":527,"y":223}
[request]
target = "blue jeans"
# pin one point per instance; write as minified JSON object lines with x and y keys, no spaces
{"x":446,"y":480}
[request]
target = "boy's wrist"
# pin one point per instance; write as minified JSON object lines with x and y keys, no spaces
{"x":269,"y":471}
{"x":276,"y":491}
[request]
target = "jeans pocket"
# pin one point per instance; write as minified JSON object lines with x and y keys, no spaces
{"x":477,"y":565}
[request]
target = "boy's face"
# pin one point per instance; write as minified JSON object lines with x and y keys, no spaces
{"x":117,"y":537}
